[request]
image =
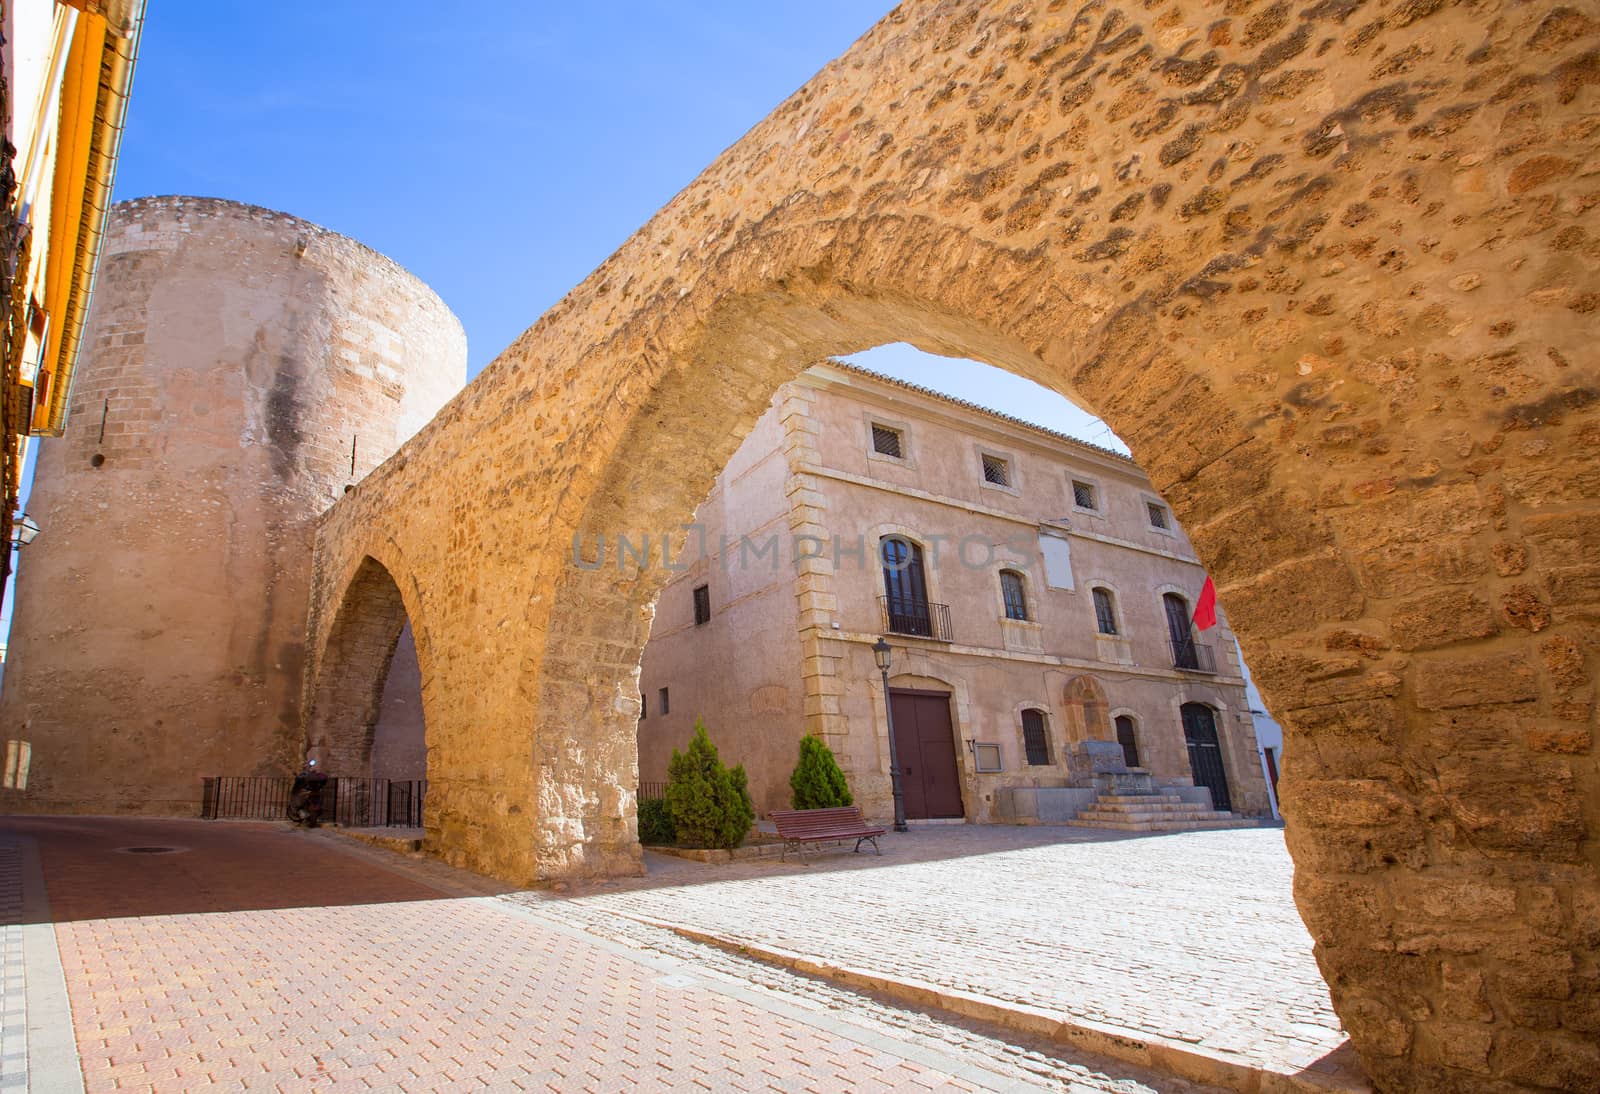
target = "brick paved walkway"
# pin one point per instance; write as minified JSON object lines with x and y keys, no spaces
{"x":1187,"y":938}
{"x":255,"y":957}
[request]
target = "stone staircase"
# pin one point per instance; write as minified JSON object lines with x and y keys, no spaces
{"x":1154,"y":812}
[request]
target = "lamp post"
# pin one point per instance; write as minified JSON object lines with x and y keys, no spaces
{"x":880,"y":653}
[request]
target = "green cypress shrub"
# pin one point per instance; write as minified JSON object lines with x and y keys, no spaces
{"x":709,"y":804}
{"x":655,"y":823}
{"x":817,"y":782}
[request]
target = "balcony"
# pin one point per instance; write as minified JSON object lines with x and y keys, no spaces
{"x":1191,"y":656}
{"x":919,"y":618}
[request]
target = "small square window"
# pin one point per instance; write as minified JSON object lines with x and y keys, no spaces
{"x":1158,"y":516}
{"x":886,"y":441}
{"x":702,"y":604}
{"x":1083,"y":495}
{"x":996,"y":471}
{"x":666,"y":707}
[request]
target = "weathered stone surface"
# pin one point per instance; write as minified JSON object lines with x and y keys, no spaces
{"x":1445,"y":682}
{"x":1437,"y":619}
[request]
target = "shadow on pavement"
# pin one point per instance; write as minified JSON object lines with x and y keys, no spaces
{"x":118,"y":867}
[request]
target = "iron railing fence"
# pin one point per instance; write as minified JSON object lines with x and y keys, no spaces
{"x":1192,"y":656}
{"x":921,"y":618}
{"x":346,"y":802}
{"x":652,"y":791}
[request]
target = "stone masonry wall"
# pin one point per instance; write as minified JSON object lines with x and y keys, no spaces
{"x":232,"y":354}
{"x":1330,"y":269}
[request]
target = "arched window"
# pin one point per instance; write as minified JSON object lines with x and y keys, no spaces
{"x":1011,"y":589}
{"x":1105,"y":611}
{"x":1129,"y":743}
{"x":1035,"y":741}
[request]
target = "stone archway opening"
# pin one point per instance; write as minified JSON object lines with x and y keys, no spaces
{"x":365,"y":721}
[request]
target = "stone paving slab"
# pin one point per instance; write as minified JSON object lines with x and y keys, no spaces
{"x":1189,"y":939}
{"x":255,"y":957}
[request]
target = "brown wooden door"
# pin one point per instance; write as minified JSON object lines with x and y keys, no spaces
{"x":925,"y":742}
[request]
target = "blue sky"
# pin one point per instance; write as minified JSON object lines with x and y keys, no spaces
{"x":499,"y":160}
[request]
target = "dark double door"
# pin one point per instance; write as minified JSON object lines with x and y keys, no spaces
{"x":1205,"y":753}
{"x":925,"y":745}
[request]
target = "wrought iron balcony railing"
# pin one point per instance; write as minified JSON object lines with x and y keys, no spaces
{"x":1192,"y":656}
{"x":921,"y":618}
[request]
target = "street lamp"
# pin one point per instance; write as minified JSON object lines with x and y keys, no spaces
{"x":880,"y":653}
{"x":23,"y":529}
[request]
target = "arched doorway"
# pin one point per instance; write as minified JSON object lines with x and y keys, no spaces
{"x":365,"y":723}
{"x":1205,"y":753}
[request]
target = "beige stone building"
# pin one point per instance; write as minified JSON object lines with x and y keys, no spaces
{"x":1036,"y":590}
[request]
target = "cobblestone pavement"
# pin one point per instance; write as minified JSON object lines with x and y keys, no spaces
{"x":1192,"y":938}
{"x":256,"y":957}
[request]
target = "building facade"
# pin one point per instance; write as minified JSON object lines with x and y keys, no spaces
{"x":1035,"y":589}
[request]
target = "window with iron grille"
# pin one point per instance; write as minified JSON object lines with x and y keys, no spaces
{"x":1105,"y":612}
{"x":1129,"y":743}
{"x":1034,"y":739}
{"x":1083,"y":495}
{"x":702,"y":604}
{"x":1011,"y":590}
{"x":886,"y":441}
{"x":1158,"y":515}
{"x":666,"y":706}
{"x":996,"y":471}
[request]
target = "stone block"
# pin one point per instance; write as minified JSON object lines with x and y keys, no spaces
{"x":1573,"y":586}
{"x":1294,"y":596}
{"x":1512,"y":801}
{"x":1566,"y":538}
{"x":1442,"y":683}
{"x":1440,"y":618}
{"x":1404,"y":568}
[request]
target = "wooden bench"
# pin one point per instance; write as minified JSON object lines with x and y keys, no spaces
{"x":798,"y":827}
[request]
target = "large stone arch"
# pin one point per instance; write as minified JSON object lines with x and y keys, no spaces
{"x":353,"y":646}
{"x":1328,"y":270}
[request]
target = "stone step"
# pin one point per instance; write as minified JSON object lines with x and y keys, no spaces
{"x":1152,"y":814}
{"x":1112,"y":811}
{"x":1140,"y":799}
{"x":1163,"y":825}
{"x":1114,"y":803}
{"x":1135,"y":818}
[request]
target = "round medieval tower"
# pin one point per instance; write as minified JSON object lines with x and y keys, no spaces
{"x":240,"y":369}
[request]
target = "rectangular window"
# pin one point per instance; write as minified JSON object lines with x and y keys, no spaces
{"x":1034,"y":739}
{"x":996,"y":471}
{"x":702,"y":604}
{"x":1105,"y":615}
{"x":886,"y":441}
{"x":1083,"y":495}
{"x":1158,"y":515}
{"x":666,"y":707}
{"x":1011,"y":592}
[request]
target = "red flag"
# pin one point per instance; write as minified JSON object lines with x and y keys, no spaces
{"x":1205,"y":609}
